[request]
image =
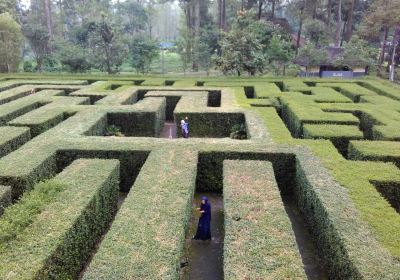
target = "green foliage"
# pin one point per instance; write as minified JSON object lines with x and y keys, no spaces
{"x":315,"y":30}
{"x":309,"y":55}
{"x":357,"y":52}
{"x":142,"y":230}
{"x":133,"y":15}
{"x":252,"y":44}
{"x":279,"y":53}
{"x":239,"y":131}
{"x":20,"y":215}
{"x":11,"y":43}
{"x":78,"y":218}
{"x":8,"y":6}
{"x":73,"y":57}
{"x":39,"y":41}
{"x":113,"y":130}
{"x":108,"y":49}
{"x":143,"y":51}
{"x":28,"y":66}
{"x":242,"y":48}
{"x":247,"y":220}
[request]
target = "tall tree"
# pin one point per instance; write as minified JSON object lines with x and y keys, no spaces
{"x":10,"y":43}
{"x":382,"y":17}
{"x":8,"y":6}
{"x":107,"y":45}
{"x":222,"y":14}
{"x":339,"y":23}
{"x":349,"y":24}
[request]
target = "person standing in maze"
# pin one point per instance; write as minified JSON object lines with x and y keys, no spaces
{"x":204,"y":226}
{"x":187,"y":125}
{"x":184,"y":128}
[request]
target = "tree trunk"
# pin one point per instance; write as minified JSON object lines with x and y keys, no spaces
{"x":329,"y":18}
{"x":349,"y":28}
{"x":196,"y":31}
{"x":299,"y":31}
{"x":273,"y":9}
{"x":260,"y":4}
{"x":382,"y":56}
{"x":221,"y":14}
{"x":48,"y":18}
{"x":339,"y":24}
{"x":395,"y":44}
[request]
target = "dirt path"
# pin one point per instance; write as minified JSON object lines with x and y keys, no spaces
{"x":169,"y":130}
{"x":204,"y":258}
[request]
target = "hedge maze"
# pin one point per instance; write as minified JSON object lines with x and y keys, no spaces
{"x":77,"y":202}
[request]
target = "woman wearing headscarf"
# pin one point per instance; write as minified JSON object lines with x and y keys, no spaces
{"x":204,"y":226}
{"x":185,"y":129}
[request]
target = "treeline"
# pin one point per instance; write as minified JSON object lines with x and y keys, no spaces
{"x":235,"y":36}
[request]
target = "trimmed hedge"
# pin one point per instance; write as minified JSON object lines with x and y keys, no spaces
{"x":343,"y":239}
{"x":11,"y":138}
{"x":296,"y":113}
{"x":340,"y":135}
{"x":210,"y":168}
{"x":54,"y":245}
{"x":388,"y":151}
{"x":259,"y":241}
{"x":147,"y":236}
{"x":5,"y":198}
{"x":146,"y":119}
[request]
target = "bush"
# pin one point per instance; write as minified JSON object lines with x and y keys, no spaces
{"x":239,"y":131}
{"x":28,"y":66}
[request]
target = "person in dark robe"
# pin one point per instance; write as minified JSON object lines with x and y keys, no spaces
{"x":204,"y":226}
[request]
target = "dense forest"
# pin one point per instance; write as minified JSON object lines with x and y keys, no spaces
{"x":241,"y":37}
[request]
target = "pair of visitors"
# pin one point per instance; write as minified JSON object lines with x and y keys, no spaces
{"x":204,"y":226}
{"x":185,"y":127}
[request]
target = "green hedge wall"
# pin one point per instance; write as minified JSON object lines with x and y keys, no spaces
{"x":210,"y":168}
{"x":63,"y":235}
{"x":145,"y":121}
{"x":147,"y":236}
{"x":5,"y":198}
{"x":208,"y":124}
{"x":259,"y":241}
{"x":131,"y":162}
{"x":349,"y":249}
{"x":11,"y":138}
{"x":388,"y":151}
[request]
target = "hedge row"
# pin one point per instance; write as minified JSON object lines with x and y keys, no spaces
{"x":296,"y":113}
{"x":328,"y":95}
{"x":5,"y":198}
{"x":22,"y":106}
{"x":146,"y":118}
{"x":381,"y":89}
{"x":388,"y":151}
{"x":11,"y":138}
{"x":349,"y":248}
{"x":340,"y":135}
{"x":48,"y":116}
{"x":200,"y":98}
{"x":147,"y":236}
{"x":210,"y":168}
{"x":63,"y":235}
{"x":25,"y":87}
{"x":351,"y":90}
{"x":259,"y":241}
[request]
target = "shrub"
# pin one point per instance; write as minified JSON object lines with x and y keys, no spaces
{"x":238,"y":131}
